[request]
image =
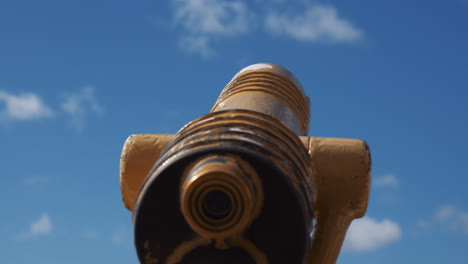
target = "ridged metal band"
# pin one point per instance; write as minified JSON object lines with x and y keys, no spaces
{"x":233,"y":177}
{"x":274,"y":84}
{"x":256,"y":132}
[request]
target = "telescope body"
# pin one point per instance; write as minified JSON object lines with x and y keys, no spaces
{"x":244,"y":183}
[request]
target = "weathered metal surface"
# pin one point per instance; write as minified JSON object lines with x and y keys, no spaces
{"x":342,"y":167}
{"x":271,"y":90}
{"x":244,"y":184}
{"x":139,"y":154}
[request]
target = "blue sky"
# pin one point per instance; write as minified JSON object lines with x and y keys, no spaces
{"x":78,"y":77}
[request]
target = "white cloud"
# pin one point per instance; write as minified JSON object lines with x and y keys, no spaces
{"x":23,"y":107}
{"x":212,"y":16}
{"x":317,"y":23}
{"x":41,"y":227}
{"x":29,"y":106}
{"x":197,"y":44}
{"x":78,"y":105}
{"x":203,"y":20}
{"x":445,"y":213}
{"x":387,"y":180}
{"x":369,"y":234}
{"x":449,"y":217}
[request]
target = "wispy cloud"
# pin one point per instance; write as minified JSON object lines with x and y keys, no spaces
{"x":197,"y":45}
{"x":367,"y":234}
{"x":316,"y":23}
{"x":447,"y":217}
{"x":38,"y":228}
{"x":22,"y":107}
{"x":79,"y":105}
{"x":203,"y":20}
{"x":387,"y":180}
{"x":445,"y":213}
{"x":29,"y":106}
{"x":385,"y":188}
{"x":42,"y":226}
{"x":212,"y":16}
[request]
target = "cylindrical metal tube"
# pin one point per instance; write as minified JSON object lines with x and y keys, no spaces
{"x":269,"y":89}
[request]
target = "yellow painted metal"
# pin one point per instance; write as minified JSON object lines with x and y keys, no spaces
{"x":139,"y":154}
{"x":343,"y":170}
{"x":269,"y":89}
{"x":337,"y":170}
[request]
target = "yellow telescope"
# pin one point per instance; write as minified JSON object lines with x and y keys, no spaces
{"x":244,"y":183}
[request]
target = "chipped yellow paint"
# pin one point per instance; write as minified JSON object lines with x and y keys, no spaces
{"x":138,"y":156}
{"x":185,"y":247}
{"x":343,"y":168}
{"x":257,"y":255}
{"x":149,"y":259}
{"x":237,"y":241}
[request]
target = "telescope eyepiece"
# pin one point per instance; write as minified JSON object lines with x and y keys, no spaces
{"x":220,"y":196}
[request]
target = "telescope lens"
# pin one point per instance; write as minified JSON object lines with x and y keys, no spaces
{"x":217,"y":204}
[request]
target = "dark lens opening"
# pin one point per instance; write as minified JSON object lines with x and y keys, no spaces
{"x":217,"y":204}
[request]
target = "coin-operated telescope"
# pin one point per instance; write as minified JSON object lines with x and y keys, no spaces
{"x":244,"y":183}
